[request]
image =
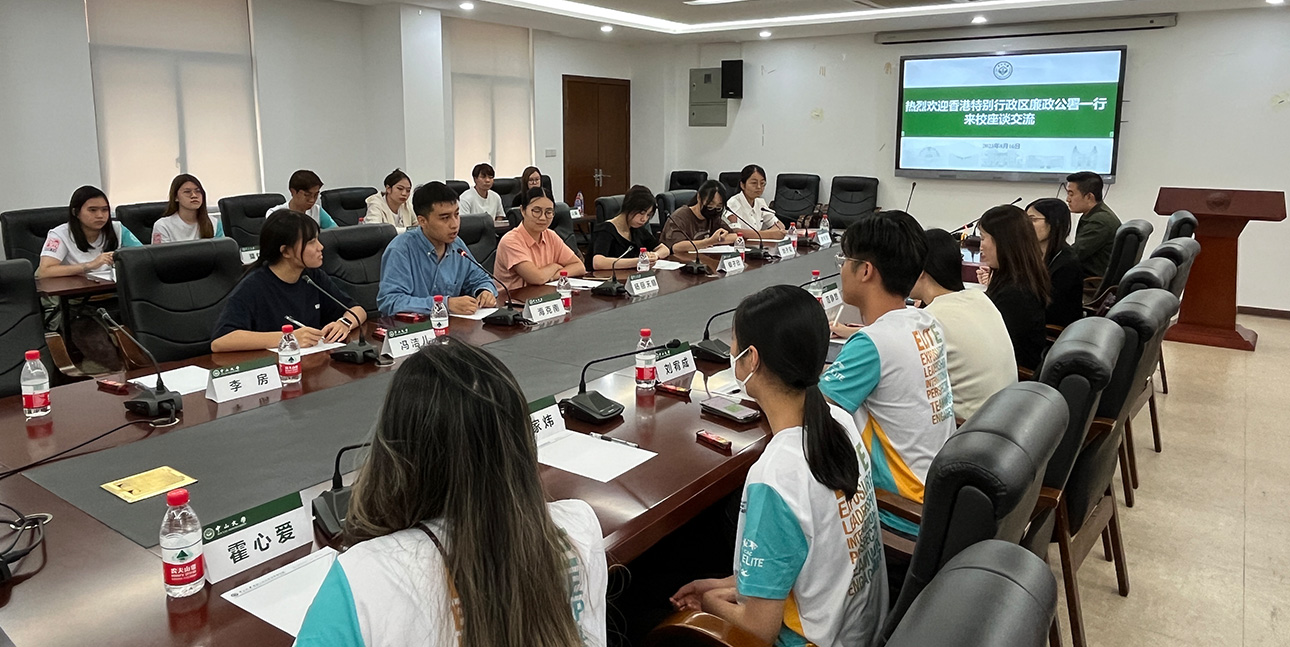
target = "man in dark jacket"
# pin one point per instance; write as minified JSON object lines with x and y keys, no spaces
{"x":1096,"y":232}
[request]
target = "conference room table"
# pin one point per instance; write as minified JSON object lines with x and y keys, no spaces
{"x":64,"y":288}
{"x":92,"y":583}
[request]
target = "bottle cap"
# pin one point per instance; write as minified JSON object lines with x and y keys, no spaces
{"x":177,"y":497}
{"x":642,"y":250}
{"x":564,"y":272}
{"x":645,"y":332}
{"x":815,"y":272}
{"x":286,"y":330}
{"x":438,"y":298}
{"x":32,"y":355}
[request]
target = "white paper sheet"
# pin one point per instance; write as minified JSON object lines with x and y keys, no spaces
{"x":668,"y":265}
{"x":282,"y":597}
{"x":185,"y":380}
{"x":718,"y":249}
{"x":590,"y":457}
{"x":582,"y":284}
{"x":478,"y":316}
{"x":317,"y":348}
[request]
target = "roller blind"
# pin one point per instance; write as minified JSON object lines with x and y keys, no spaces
{"x":491,"y":76}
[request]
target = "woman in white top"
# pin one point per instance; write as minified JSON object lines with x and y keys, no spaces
{"x":392,"y":206}
{"x":749,"y":205}
{"x":451,"y":540}
{"x":185,"y":217}
{"x":85,"y":243}
{"x":809,"y":563}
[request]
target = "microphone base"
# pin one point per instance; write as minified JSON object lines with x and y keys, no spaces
{"x":757,"y":254}
{"x":503,"y":317}
{"x":697,"y":268}
{"x":330,"y":509}
{"x":712,"y":350}
{"x":153,"y":403}
{"x":593,"y":407}
{"x":359,"y":352}
{"x":610,"y":288}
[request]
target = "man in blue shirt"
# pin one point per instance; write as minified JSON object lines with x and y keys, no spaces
{"x":425,"y":261}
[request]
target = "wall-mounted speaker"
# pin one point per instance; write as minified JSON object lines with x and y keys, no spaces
{"x":732,"y":79}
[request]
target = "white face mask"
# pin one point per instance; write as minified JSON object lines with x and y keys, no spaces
{"x":734,"y":372}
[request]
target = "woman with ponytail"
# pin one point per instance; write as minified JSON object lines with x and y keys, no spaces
{"x":809,"y":563}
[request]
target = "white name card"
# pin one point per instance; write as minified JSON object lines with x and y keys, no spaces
{"x":831,"y":297}
{"x":240,"y":380}
{"x":401,"y":342}
{"x":785,"y":249}
{"x":543,"y":308}
{"x":674,"y":365}
{"x":823,"y":238}
{"x":731,"y":263}
{"x":251,"y":538}
{"x":546,"y":419}
{"x":250,"y":255}
{"x":641,"y":284}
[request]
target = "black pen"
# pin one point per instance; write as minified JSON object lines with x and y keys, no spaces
{"x":614,"y":440}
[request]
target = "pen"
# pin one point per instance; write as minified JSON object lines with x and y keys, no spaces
{"x":614,"y":440}
{"x":836,"y":315}
{"x":295,"y":323}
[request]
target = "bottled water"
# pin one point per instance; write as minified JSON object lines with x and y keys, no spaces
{"x":181,"y":547}
{"x":825,"y":228}
{"x":565,"y":288}
{"x":439,"y":316}
{"x":642,"y":262}
{"x":814,"y":287}
{"x":578,"y":203}
{"x":792,"y":234}
{"x":645,"y":374}
{"x":288,"y":357}
{"x":741,"y":247}
{"x":35,"y":386}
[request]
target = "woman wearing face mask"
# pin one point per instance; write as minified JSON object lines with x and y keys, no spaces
{"x":808,"y":503}
{"x":751,"y":208}
{"x":626,"y":233}
{"x":185,"y":217}
{"x":699,"y":221}
{"x":532,"y":254}
{"x":531,"y":178}
{"x":273,"y":292}
{"x":393,"y":206}
{"x":86,"y":242}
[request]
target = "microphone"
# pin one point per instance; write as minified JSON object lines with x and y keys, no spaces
{"x":359,"y":352}
{"x":1015,"y":201}
{"x":612,"y":287}
{"x":712,"y":350}
{"x":1061,"y":188}
{"x":760,"y":253}
{"x":331,"y":507}
{"x":505,"y":315}
{"x":593,"y":407}
{"x":695,"y":266}
{"x":150,"y":402}
{"x":911,"y":196}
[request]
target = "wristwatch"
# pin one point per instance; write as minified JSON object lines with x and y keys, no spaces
{"x":345,"y":320}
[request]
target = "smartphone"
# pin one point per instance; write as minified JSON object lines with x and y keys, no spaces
{"x":729,"y":409}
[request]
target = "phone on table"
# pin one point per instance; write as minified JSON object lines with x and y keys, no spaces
{"x":729,"y":409}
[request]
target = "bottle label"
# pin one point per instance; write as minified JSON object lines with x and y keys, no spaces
{"x":440,"y":329}
{"x":289,"y":368}
{"x":568,"y":303}
{"x":37,"y":400}
{"x":183,"y":565}
{"x":646,"y":372}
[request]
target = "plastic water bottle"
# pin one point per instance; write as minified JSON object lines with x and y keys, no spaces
{"x":642,"y":262}
{"x":439,"y":316}
{"x":565,"y":288}
{"x":288,"y":357}
{"x":645,"y":374}
{"x":792,"y":234}
{"x":35,"y":386}
{"x":741,"y":247}
{"x":815,"y":288}
{"x":824,"y":227}
{"x":181,"y":547}
{"x":578,"y":203}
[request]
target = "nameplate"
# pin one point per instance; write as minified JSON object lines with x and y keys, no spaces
{"x":545,"y":418}
{"x":240,"y":380}
{"x":401,"y":342}
{"x":674,"y":365}
{"x":823,"y":238}
{"x":784,"y":249}
{"x":831,"y":297}
{"x":248,"y":539}
{"x":641,"y":284}
{"x":731,"y":263}
{"x":250,"y":255}
{"x":543,"y":308}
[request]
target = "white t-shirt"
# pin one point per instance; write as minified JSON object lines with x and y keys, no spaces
{"x":316,"y":212}
{"x":977,"y":346}
{"x":491,"y":205}
{"x":803,"y":542}
{"x":392,"y":591}
{"x":173,"y":229}
{"x":60,"y":245}
{"x":758,"y":213}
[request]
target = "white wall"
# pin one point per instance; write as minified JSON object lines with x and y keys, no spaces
{"x":1208,"y":105}
{"x":424,"y":95}
{"x":383,"y":91}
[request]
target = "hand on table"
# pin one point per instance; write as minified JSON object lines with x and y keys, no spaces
{"x":463,"y":305}
{"x":308,"y":337}
{"x":486,"y":299}
{"x":335,"y":331}
{"x":102,"y":260}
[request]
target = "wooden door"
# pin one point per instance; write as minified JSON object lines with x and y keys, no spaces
{"x":597,"y":138}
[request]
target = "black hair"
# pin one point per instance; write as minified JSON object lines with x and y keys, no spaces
{"x":1016,"y":250}
{"x":304,"y":180}
{"x":431,"y":193}
{"x":1058,"y":216}
{"x":944,"y":262}
{"x":395,"y":177}
{"x":74,"y":227}
{"x":748,"y":171}
{"x":535,"y":193}
{"x":485,"y":169}
{"x":1087,"y":182}
{"x":706,"y":192}
{"x":894,"y":243}
{"x":638,"y":199}
{"x":791,"y":333}
{"x":283,"y":228}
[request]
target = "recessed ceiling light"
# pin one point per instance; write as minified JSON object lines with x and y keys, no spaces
{"x":980,"y":20}
{"x":606,"y":28}
{"x":765,"y":33}
{"x":467,"y":6}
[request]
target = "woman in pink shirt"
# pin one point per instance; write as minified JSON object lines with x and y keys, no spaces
{"x":532,"y":254}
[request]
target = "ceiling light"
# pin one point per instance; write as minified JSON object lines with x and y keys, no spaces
{"x":1276,"y":1}
{"x":467,"y":6}
{"x":606,"y":28}
{"x":703,"y":2}
{"x":980,"y":20}
{"x":765,"y":33}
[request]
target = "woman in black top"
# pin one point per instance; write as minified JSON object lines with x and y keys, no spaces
{"x":1051,"y":219}
{"x":531,"y":178}
{"x":626,"y":233}
{"x":1016,"y":281}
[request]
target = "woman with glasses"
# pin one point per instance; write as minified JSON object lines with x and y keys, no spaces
{"x":1052,"y":221}
{"x":394,"y":205}
{"x":1016,"y":279}
{"x":185,"y":217}
{"x":532,"y":254}
{"x":531,"y":178}
{"x":751,"y":208}
{"x":699,"y":224}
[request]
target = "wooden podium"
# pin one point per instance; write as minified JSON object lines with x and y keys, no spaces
{"x":1208,"y":314}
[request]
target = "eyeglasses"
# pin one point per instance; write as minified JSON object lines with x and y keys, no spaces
{"x":842,"y":260}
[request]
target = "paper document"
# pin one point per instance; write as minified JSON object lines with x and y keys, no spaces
{"x":282,"y":597}
{"x":316,"y":348}
{"x":718,"y":249}
{"x":478,"y":316}
{"x":668,"y":265}
{"x":582,"y":284}
{"x":590,"y":457}
{"x":185,"y":380}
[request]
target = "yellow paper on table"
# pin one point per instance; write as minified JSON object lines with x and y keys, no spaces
{"x":148,"y":484}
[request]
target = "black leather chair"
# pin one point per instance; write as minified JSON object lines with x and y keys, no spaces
{"x":851,"y":196}
{"x":797,"y":196}
{"x":730,"y":182}
{"x":21,"y":326}
{"x":562,"y":224}
{"x":983,"y":484}
{"x":352,"y":258}
{"x":993,"y":593}
{"x":506,"y":188}
{"x":513,"y":216}
{"x":243,"y":216}
{"x":1126,"y":251}
{"x":348,"y":205}
{"x":608,"y":206}
{"x":24,"y":231}
{"x":139,"y":218}
{"x":1181,"y":225}
{"x":480,"y":236}
{"x":171,"y":295}
{"x":669,"y":201}
{"x":686,"y":180}
{"x":1183,"y":252}
{"x":459,"y":186}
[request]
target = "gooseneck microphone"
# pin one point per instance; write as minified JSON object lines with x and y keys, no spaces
{"x":359,"y":352}
{"x":591,"y":406}
{"x":331,"y":506}
{"x":759,"y":253}
{"x":505,"y":315}
{"x":150,"y":402}
{"x":613,"y":287}
{"x":911,"y":196}
{"x":712,"y":350}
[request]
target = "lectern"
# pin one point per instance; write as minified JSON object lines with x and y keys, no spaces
{"x":1208,"y":314}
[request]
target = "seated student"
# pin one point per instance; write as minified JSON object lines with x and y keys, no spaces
{"x":891,"y":374}
{"x":274,"y":289}
{"x":392,"y":205}
{"x":451,"y":541}
{"x":532,"y":254}
{"x":750,"y":206}
{"x":626,"y":233}
{"x":1015,"y":279}
{"x":1095,"y":235}
{"x":482,"y":198}
{"x":808,"y":556}
{"x":978,"y":349}
{"x":85,"y":243}
{"x":305,"y":187}
{"x":531,"y":178}
{"x":1052,"y":221}
{"x":185,"y":217}
{"x":425,"y":261}
{"x":700,"y":220}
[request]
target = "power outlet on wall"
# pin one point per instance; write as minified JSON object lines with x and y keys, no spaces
{"x":550,"y":152}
